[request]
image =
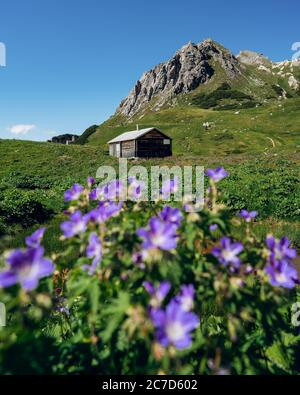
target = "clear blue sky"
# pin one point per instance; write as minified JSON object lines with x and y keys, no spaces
{"x":70,"y":62}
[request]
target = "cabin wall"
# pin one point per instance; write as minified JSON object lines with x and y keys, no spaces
{"x":124,"y":149}
{"x":150,"y":145}
{"x":154,"y":134}
{"x":128,"y":149}
{"x":115,"y":149}
{"x":154,"y":147}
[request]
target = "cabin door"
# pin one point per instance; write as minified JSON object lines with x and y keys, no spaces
{"x":118,"y":150}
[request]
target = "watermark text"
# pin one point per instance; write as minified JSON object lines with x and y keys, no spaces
{"x":2,"y":55}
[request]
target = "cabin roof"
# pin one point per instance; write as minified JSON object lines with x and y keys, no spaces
{"x":132,"y":135}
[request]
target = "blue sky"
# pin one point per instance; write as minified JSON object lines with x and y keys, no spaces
{"x":70,"y":62}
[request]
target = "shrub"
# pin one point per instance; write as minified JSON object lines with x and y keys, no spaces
{"x":214,"y":98}
{"x":25,"y":208}
{"x":28,"y":181}
{"x":86,"y":134}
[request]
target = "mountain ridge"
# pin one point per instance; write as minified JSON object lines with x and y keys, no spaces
{"x":196,"y":65}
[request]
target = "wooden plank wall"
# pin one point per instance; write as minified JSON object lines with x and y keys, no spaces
{"x":128,"y":149}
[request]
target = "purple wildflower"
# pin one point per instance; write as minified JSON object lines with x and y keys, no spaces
{"x":280,"y":269}
{"x":282,"y":274}
{"x":63,"y":310}
{"x":76,"y":225}
{"x":35,"y":239}
{"x":169,"y":187}
{"x":138,"y":258}
{"x":279,"y":250}
{"x":159,"y":235}
{"x":61,"y":305}
{"x":157,"y":293}
{"x":26,"y":267}
{"x":217,"y":174}
{"x":95,"y":194}
{"x":227,"y":252}
{"x":186,"y":297}
{"x":171,"y":215}
{"x":135,"y":188}
{"x":213,"y":227}
{"x":249,"y":269}
{"x":110,"y":209}
{"x":73,"y":193}
{"x":174,"y":325}
{"x":113,"y":190}
{"x":248,"y":215}
{"x":105,"y":210}
{"x":90,"y":181}
{"x":94,"y":250}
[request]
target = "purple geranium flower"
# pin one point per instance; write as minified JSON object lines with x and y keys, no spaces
{"x":248,"y":215}
{"x":76,"y":225}
{"x":174,"y":325}
{"x":105,"y":210}
{"x":217,"y":174}
{"x":138,"y":258}
{"x":90,"y":181}
{"x":227,"y":252}
{"x":159,"y":235}
{"x":73,"y":193}
{"x":186,"y":297}
{"x":171,"y":215}
{"x":94,"y":250}
{"x":113,"y":190}
{"x":280,"y":269}
{"x":169,"y":187}
{"x":96,"y":194}
{"x":282,"y":274}
{"x":35,"y":239}
{"x":61,"y":305}
{"x":26,"y":267}
{"x":279,"y":250}
{"x":109,"y":209}
{"x":213,"y":227}
{"x":157,"y":293}
{"x":135,"y":188}
{"x":109,"y":191}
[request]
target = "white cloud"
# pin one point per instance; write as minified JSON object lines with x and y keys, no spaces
{"x":21,"y":129}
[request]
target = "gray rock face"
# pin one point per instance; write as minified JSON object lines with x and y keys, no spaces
{"x":253,"y":58}
{"x":191,"y":66}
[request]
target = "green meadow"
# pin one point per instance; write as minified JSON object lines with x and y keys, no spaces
{"x":260,"y":147}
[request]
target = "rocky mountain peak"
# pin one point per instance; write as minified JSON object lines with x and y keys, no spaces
{"x":191,"y":66}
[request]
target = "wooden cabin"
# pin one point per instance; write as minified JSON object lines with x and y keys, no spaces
{"x":144,"y":143}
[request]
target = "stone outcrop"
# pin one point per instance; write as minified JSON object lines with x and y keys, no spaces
{"x":253,"y":58}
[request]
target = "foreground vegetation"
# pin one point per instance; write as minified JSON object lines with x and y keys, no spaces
{"x":145,"y":288}
{"x":80,"y":323}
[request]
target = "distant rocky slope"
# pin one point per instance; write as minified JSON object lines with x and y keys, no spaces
{"x":209,"y":64}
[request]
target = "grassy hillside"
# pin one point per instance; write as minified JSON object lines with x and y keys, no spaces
{"x":46,"y":160}
{"x":234,"y":134}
